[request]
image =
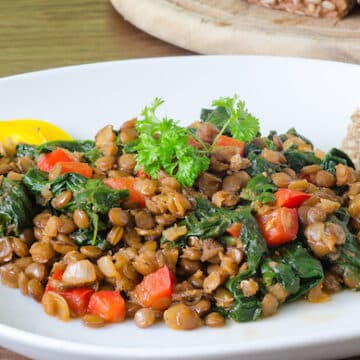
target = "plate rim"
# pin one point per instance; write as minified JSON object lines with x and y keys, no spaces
{"x":42,"y":342}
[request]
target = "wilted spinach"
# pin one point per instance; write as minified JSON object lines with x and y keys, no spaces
{"x":210,"y":221}
{"x":349,"y":260}
{"x":16,"y":210}
{"x":294,"y":268}
{"x":259,"y":188}
{"x":298,"y":159}
{"x":335,"y":157}
{"x":244,"y":308}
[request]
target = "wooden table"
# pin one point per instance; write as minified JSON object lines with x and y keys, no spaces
{"x":43,"y":34}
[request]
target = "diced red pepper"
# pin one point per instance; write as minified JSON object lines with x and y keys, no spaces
{"x":56,"y":275}
{"x":108,"y":304}
{"x":78,"y":299}
{"x":155,"y":289}
{"x":83,"y":169}
{"x":229,"y":141}
{"x":279,"y":226}
{"x":48,"y":161}
{"x":129,"y":184}
{"x":235,"y":230}
{"x":142,"y":174}
{"x":290,"y":198}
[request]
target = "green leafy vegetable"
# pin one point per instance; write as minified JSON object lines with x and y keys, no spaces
{"x":260,"y":165}
{"x":335,"y":157}
{"x":305,"y":266}
{"x":82,"y":146}
{"x":293,"y":132}
{"x":35,"y":180}
{"x":90,"y":195}
{"x":244,"y":308}
{"x":25,"y":150}
{"x":298,"y":159}
{"x":209,"y":221}
{"x":349,"y":260}
{"x":16,"y":210}
{"x":217,"y":116}
{"x":240,"y":123}
{"x":163,"y":144}
{"x":259,"y":188}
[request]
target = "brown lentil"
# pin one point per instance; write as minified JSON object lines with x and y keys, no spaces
{"x":42,"y":252}
{"x":214,"y":319}
{"x":144,"y":318}
{"x":93,"y":321}
{"x":269,"y":305}
{"x":115,"y":235}
{"x":81,"y":219}
{"x":61,"y":200}
{"x":35,"y":289}
{"x":6,"y":250}
{"x":202,"y":307}
{"x":36,"y":271}
{"x":181,"y":317}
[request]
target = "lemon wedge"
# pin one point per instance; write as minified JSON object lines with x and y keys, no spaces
{"x":31,"y":131}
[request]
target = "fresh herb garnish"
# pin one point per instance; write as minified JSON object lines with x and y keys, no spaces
{"x":239,"y":123}
{"x":163,"y":144}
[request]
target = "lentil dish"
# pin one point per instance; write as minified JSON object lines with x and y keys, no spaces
{"x":190,"y":225}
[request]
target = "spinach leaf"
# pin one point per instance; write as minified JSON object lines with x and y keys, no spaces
{"x":70,"y":181}
{"x":16,"y":211}
{"x":274,"y":271}
{"x":82,"y":146}
{"x":260,"y":165}
{"x":35,"y":180}
{"x":298,"y":159}
{"x":335,"y":157}
{"x":25,"y":150}
{"x":244,"y":308}
{"x":349,"y":260}
{"x":293,"y":132}
{"x":259,"y":188}
{"x":209,"y":221}
{"x":305,"y":266}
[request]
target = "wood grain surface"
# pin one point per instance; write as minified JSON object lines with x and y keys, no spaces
{"x":43,"y":34}
{"x":237,"y":27}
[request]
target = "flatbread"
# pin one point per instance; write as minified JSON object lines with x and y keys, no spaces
{"x":351,"y":143}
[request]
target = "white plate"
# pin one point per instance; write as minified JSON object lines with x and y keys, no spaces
{"x":317,"y":97}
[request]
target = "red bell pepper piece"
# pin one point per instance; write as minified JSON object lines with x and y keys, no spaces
{"x":279,"y":226}
{"x":229,"y":141}
{"x":129,"y":184}
{"x":155,"y":289}
{"x":290,"y":198}
{"x":48,"y":161}
{"x":83,"y":169}
{"x":108,"y":304}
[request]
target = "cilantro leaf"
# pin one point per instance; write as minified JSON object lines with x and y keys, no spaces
{"x":163,"y":144}
{"x":242,"y":125}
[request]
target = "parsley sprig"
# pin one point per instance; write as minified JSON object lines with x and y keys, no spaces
{"x":163,"y":144}
{"x":240,"y":123}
